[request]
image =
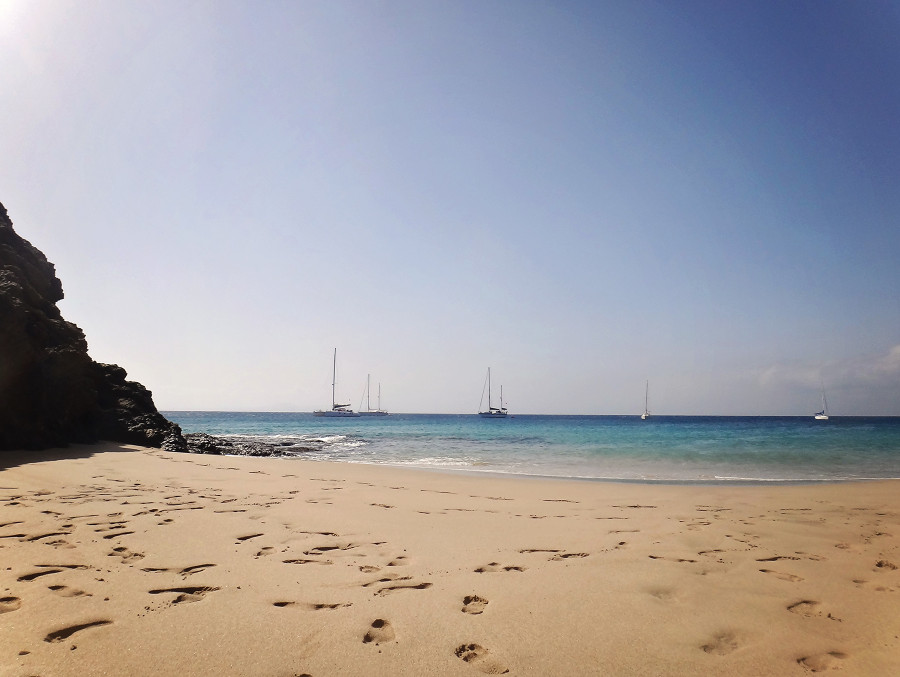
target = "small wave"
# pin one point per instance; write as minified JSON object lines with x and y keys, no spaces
{"x":330,"y":439}
{"x":353,"y":444}
{"x":436,"y":462}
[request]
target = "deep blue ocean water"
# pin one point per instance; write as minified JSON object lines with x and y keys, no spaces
{"x":663,"y":448}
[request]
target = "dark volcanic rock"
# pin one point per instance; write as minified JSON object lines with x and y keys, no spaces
{"x":201,"y":443}
{"x":51,"y":392}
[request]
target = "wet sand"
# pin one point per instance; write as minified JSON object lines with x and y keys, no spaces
{"x":117,"y":560}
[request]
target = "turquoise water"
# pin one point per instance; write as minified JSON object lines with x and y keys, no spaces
{"x":663,"y":448}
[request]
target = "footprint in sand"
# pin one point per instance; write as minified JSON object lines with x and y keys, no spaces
{"x":863,"y":584}
{"x":663,"y":594}
{"x":126,"y":554}
{"x":806,"y":607}
{"x":721,"y":644}
{"x":248,"y":537}
{"x":189,"y":571}
{"x":315,"y":606}
{"x":480,"y":659}
{"x":65,"y":633}
{"x":8,"y":604}
{"x":38,"y":574}
{"x":318,"y":550}
{"x":404,"y":586}
{"x":42,"y":536}
{"x":473,"y":604}
{"x":495,"y":566}
{"x":884,"y":565}
{"x":185,"y":572}
{"x":186,"y":594}
{"x":673,"y":559}
{"x":380,"y":631}
{"x":782,"y":576}
{"x":823,"y":661}
{"x":810,"y":609}
{"x":321,"y":606}
{"x":308,"y":561}
{"x":567,"y":555}
{"x":66,"y":591}
{"x":387,"y":579}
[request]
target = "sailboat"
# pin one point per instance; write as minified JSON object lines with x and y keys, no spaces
{"x":493,"y":412}
{"x":336,"y":410}
{"x":368,"y":411}
{"x":822,"y":415}
{"x":646,"y":413}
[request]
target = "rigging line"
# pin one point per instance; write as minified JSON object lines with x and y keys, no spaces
{"x":483,"y":388}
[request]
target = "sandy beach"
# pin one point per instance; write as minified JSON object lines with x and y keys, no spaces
{"x":118,"y":560}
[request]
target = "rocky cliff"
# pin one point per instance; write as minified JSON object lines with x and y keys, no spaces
{"x":51,"y":392}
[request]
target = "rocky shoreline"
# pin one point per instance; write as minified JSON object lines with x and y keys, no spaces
{"x":202,"y":443}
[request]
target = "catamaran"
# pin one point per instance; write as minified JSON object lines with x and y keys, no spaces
{"x":368,"y":411}
{"x":492,"y":412}
{"x":336,"y":409}
{"x":822,"y":415}
{"x":646,"y":413}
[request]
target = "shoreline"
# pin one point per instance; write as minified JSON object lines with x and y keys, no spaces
{"x":127,"y":560}
{"x":717,"y":482}
{"x":473,"y":471}
{"x":701,"y":450}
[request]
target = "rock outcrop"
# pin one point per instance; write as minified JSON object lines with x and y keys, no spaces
{"x":202,"y":443}
{"x":51,"y":392}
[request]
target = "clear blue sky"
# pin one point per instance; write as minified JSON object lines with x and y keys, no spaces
{"x":581,"y":195}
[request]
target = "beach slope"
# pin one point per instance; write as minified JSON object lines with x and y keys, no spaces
{"x":120,"y":560}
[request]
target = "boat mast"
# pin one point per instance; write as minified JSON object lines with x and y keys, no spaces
{"x":646,"y":395}
{"x":489,"y":388}
{"x":379,"y":397}
{"x":368,"y":387}
{"x":333,"y":376}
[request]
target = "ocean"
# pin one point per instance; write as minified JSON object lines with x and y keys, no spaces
{"x":684,"y":449}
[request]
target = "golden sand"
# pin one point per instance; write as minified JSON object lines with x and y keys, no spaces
{"x":117,"y":560}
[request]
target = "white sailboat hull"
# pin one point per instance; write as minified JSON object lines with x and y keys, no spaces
{"x":373,"y":413}
{"x":336,"y":413}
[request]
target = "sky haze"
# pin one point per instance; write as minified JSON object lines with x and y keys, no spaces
{"x":581,"y":195}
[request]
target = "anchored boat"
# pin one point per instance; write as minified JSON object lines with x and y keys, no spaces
{"x":368,"y":411}
{"x":337,"y":410}
{"x":491,"y":411}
